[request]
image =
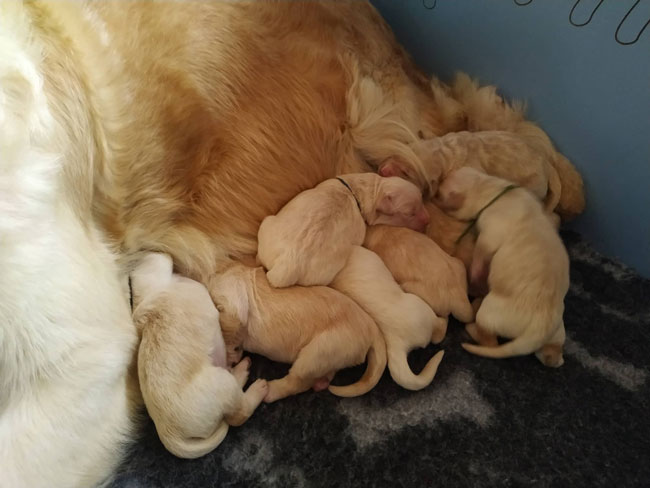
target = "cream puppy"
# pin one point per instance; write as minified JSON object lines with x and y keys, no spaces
{"x":405,"y":320}
{"x":526,"y":265}
{"x":189,"y":393}
{"x":309,"y":240}
{"x":497,"y":153}
{"x":423,"y":269}
{"x":316,"y":328}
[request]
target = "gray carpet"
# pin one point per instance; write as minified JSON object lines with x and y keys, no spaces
{"x":481,"y":422}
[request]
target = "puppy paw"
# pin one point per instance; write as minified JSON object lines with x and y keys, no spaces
{"x":273,"y":392}
{"x":240,"y":371}
{"x":480,"y":336}
{"x":551,"y":355}
{"x":439,"y":330}
{"x":258,"y":390}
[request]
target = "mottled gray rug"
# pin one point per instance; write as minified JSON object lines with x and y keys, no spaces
{"x":481,"y":422}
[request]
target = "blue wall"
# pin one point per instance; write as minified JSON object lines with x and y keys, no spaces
{"x":590,"y":94}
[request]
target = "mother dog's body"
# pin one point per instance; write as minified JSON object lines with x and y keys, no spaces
{"x":66,"y":336}
{"x":173,"y":126}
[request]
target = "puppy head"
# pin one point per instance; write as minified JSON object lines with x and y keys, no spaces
{"x":395,"y":166}
{"x":399,"y":203}
{"x":456,"y":190}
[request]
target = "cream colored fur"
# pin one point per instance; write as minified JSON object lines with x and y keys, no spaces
{"x":309,"y":240}
{"x":405,"y":320}
{"x":423,"y":269}
{"x":526,"y":264}
{"x":486,"y":110}
{"x":169,"y":126}
{"x":497,"y":153}
{"x":317,"y":329}
{"x":189,"y":393}
{"x":67,"y":398}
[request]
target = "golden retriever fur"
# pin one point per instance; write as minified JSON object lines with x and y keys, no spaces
{"x":497,"y":153}
{"x":176,"y":127}
{"x":309,"y":240}
{"x":420,"y":267}
{"x":189,"y":393}
{"x":526,"y":264}
{"x":316,"y":328}
{"x":405,"y":320}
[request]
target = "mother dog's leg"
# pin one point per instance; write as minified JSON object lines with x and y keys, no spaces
{"x":66,"y":336}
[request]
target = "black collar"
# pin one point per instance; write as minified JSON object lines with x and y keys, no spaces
{"x":348,"y":187}
{"x":475,"y":219}
{"x":130,"y":294}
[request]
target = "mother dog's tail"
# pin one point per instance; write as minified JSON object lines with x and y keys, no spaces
{"x":402,"y":374}
{"x":374,"y":370}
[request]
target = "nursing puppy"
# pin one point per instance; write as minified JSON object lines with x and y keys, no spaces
{"x":497,"y":153}
{"x":526,"y":265}
{"x":189,"y":393}
{"x":423,"y":269}
{"x":484,"y":109}
{"x":309,"y":240}
{"x":316,"y":328}
{"x":405,"y":320}
{"x":447,"y":232}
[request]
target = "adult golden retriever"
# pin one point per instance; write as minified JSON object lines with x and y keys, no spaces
{"x":171,"y":126}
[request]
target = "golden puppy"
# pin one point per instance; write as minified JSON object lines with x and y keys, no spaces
{"x":447,"y":232}
{"x":526,"y":265}
{"x":423,"y":269}
{"x":189,"y":393}
{"x":485,"y":110}
{"x":497,"y":153}
{"x":405,"y":320}
{"x":309,"y":240}
{"x":316,"y":328}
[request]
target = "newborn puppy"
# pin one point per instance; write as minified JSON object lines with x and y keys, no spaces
{"x":309,"y":240}
{"x":189,"y":393}
{"x":447,"y":232}
{"x":497,"y":153}
{"x":405,"y":320}
{"x":526,"y":265}
{"x":316,"y":328}
{"x":423,"y":269}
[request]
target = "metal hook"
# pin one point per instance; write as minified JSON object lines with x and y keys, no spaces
{"x":625,"y":43}
{"x":424,"y":4}
{"x":590,"y":17}
{"x":524,"y":3}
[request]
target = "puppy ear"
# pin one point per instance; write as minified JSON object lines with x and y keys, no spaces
{"x":453,"y":201}
{"x":385,"y":205}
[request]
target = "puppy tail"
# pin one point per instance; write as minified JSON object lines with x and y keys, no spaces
{"x":402,"y":374}
{"x":374,"y":370}
{"x":191,"y":448}
{"x":533,"y":338}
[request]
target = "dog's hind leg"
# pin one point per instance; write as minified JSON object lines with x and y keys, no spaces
{"x":250,"y":400}
{"x":481,"y":336}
